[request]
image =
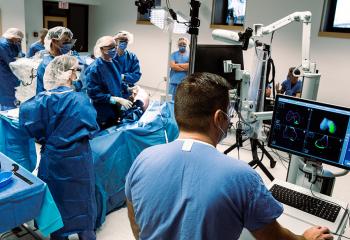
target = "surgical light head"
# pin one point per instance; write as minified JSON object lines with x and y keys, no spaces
{"x":59,"y":71}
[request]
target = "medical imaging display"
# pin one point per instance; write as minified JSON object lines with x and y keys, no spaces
{"x":310,"y":129}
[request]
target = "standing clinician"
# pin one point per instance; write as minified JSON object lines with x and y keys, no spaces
{"x":10,"y":50}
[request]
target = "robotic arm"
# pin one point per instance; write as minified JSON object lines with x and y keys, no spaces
{"x":305,"y":18}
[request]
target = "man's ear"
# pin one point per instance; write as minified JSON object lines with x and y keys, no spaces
{"x":217,"y":117}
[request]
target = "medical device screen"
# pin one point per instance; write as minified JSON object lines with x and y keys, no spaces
{"x":311,"y":129}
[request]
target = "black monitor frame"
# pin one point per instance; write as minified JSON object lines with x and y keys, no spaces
{"x":308,"y":152}
{"x":210,"y":57}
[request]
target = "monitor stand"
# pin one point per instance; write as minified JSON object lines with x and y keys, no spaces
{"x":311,"y":175}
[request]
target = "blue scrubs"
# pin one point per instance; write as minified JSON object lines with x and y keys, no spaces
{"x":129,"y":65}
{"x":103,"y":81}
{"x":63,"y":121}
{"x":175,"y":76}
{"x":34,"y":48}
{"x":197,"y":193}
{"x":8,"y":53}
{"x":291,"y":90}
{"x":41,"y":71}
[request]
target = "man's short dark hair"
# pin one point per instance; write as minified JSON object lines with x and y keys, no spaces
{"x":197,"y":97}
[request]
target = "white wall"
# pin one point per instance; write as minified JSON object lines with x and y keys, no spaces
{"x":330,"y":54}
{"x":12,"y":15}
{"x":33,"y":19}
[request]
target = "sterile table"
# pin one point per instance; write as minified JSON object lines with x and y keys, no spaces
{"x":22,"y":201}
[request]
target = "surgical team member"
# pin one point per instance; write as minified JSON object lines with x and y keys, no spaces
{"x":128,"y":63}
{"x":292,"y":86}
{"x":179,"y":65}
{"x":104,"y":84}
{"x":58,"y":41}
{"x":38,"y":45}
{"x":10,"y":50}
{"x":187,"y":189}
{"x":63,"y":121}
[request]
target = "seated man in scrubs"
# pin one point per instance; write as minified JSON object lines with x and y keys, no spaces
{"x":187,"y":189}
{"x":63,"y":121}
{"x":292,"y":86}
{"x":104,"y":84}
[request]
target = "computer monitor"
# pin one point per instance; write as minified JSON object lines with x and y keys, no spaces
{"x":210,"y":58}
{"x":310,"y":129}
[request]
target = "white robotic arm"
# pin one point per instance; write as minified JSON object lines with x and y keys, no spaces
{"x":305,"y":18}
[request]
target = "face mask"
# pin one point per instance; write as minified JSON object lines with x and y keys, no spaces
{"x":122,"y":45}
{"x":111,"y":52}
{"x":77,"y":83}
{"x":66,"y":48}
{"x":182,"y":49}
{"x":224,"y":133}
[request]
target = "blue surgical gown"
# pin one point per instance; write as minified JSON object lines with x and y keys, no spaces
{"x":41,"y":71}
{"x":63,"y":121}
{"x":196,"y":193}
{"x":103,"y":81}
{"x":34,"y":48}
{"x":129,"y":65}
{"x":8,"y":53}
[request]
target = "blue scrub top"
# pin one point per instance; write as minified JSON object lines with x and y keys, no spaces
{"x":34,"y":48}
{"x":197,"y":193}
{"x":8,"y":53}
{"x":175,"y":76}
{"x":291,"y":90}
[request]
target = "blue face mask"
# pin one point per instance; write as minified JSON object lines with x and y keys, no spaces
{"x":111,"y":52}
{"x":182,"y":49}
{"x":122,"y":45}
{"x":66,"y":48}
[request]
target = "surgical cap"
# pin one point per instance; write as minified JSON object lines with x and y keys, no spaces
{"x":125,"y":34}
{"x":56,"y":33}
{"x":59,"y":70}
{"x":13,"y":33}
{"x":102,"y":42}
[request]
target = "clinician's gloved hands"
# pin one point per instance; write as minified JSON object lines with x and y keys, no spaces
{"x":124,"y":102}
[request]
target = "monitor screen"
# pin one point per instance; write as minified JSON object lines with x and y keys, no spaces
{"x":210,"y":58}
{"x":311,"y":129}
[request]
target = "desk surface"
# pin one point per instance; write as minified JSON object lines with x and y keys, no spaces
{"x":21,"y":202}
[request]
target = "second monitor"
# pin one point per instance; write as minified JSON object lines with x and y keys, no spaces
{"x":210,"y":58}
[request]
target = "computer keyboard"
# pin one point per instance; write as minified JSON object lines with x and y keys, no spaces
{"x":306,"y":203}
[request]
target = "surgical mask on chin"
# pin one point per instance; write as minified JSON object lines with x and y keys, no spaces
{"x":122,"y":46}
{"x":224,"y":133}
{"x":182,"y":49}
{"x":111,"y":52}
{"x":66,"y":48}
